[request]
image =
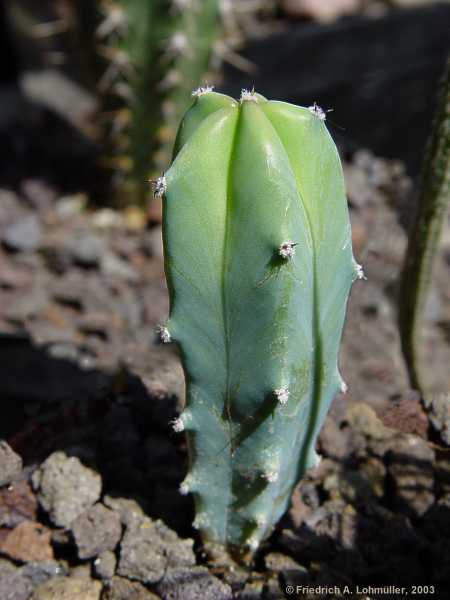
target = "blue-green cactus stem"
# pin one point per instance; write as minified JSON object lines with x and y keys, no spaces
{"x":259,"y":265}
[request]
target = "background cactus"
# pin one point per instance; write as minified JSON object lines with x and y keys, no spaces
{"x":424,"y":236}
{"x":155,"y":53}
{"x":259,"y":264}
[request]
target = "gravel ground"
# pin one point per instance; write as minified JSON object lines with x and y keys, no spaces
{"x":90,"y":469}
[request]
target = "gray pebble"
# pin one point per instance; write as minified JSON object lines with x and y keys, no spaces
{"x":113,"y":266}
{"x":96,"y":530}
{"x":68,"y":588}
{"x":10,"y":464}
{"x":126,"y":508}
{"x":23,"y":235}
{"x":105,"y":565}
{"x":66,"y":488}
{"x":40,"y":572}
{"x":13,"y":586}
{"x":86,"y":249}
{"x":152,"y":243}
{"x":192,"y":584}
{"x":123,"y":589}
{"x":149,"y":547}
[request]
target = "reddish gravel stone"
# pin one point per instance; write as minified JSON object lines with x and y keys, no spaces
{"x":17,"y":504}
{"x":29,"y":541}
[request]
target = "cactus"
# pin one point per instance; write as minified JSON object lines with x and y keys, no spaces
{"x":155,"y":52}
{"x":432,"y":205}
{"x":259,"y":265}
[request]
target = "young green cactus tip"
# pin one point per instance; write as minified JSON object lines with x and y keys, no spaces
{"x":258,"y":324}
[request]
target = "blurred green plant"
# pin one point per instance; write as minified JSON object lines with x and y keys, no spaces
{"x":432,"y":206}
{"x":156,"y":53}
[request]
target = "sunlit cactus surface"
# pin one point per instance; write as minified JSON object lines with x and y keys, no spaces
{"x":259,"y":263}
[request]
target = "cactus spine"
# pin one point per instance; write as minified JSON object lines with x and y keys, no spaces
{"x":259,"y":264}
{"x":156,"y":52}
{"x":432,"y":205}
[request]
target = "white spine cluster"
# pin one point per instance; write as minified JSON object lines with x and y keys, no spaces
{"x":270,"y":476}
{"x":178,"y":425}
{"x":261,"y":520}
{"x":287,"y":249}
{"x":282,"y":395}
{"x":115,"y":21}
{"x":178,"y":44}
{"x":201,"y":520}
{"x":359,"y":271}
{"x":253,"y":543}
{"x":159,"y":187}
{"x":344,"y":387}
{"x":164,"y":334}
{"x":184,"y":488}
{"x":201,"y":91}
{"x":184,"y":4}
{"x":317,"y":111}
{"x":248,"y":96}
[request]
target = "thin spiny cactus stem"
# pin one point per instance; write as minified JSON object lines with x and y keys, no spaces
{"x":182,"y":5}
{"x":432,"y":207}
{"x":115,"y":21}
{"x":177,"y":44}
{"x":153,"y":58}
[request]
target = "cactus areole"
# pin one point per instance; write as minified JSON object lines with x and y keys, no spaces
{"x":259,"y":264}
